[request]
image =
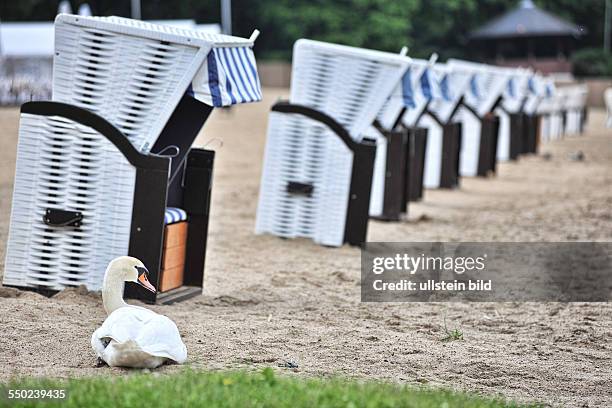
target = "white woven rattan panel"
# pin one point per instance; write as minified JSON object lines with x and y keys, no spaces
{"x":62,"y":165}
{"x":350,"y":85}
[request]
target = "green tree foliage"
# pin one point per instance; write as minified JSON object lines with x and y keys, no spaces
{"x":592,"y":62}
{"x":380,"y":24}
{"x":424,"y":26}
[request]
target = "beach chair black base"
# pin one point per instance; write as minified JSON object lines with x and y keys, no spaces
{"x":517,"y":129}
{"x":584,"y":117}
{"x":530,"y":140}
{"x":451,"y":150}
{"x":404,"y":170}
{"x":417,"y":146}
{"x":396,"y":175}
{"x":184,"y":182}
{"x":364,"y":153}
{"x":487,"y":155}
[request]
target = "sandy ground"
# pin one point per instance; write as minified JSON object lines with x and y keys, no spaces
{"x":268,"y":301}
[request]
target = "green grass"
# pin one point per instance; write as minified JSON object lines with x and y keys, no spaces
{"x":453,"y":335}
{"x":240,"y":389}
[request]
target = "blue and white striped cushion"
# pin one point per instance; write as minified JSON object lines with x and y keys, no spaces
{"x":174,"y":214}
{"x":228,"y":77}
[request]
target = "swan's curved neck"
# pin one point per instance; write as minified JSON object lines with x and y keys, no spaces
{"x":112,"y":290}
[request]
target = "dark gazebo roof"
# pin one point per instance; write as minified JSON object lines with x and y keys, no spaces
{"x":526,"y":21}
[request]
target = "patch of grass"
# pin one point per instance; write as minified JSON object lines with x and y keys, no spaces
{"x":451,"y":335}
{"x":240,"y":389}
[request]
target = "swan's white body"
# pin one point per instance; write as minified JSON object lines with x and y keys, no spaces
{"x":133,"y":336}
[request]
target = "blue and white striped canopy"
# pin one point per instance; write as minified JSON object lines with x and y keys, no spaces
{"x":511,"y":88}
{"x":407,"y":91}
{"x":228,"y":77}
{"x":429,"y":85}
{"x":426,"y":85}
{"x":532,"y":86}
{"x":474,"y":86}
{"x":444,"y":88}
{"x":549,"y":90}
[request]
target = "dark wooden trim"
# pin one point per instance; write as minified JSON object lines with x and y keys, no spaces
{"x":337,"y":128}
{"x":181,"y":131}
{"x":451,"y":151}
{"x":197,"y":193}
{"x":357,"y":215}
{"x":147,"y":229}
{"x":516,"y":135}
{"x":100,"y":125}
{"x":364,"y":153}
{"x":415,"y":169}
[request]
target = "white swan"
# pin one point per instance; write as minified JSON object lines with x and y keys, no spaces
{"x":132,"y":336}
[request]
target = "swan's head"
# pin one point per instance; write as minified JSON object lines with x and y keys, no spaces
{"x":130,"y":269}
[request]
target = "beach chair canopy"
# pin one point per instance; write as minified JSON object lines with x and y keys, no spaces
{"x":454,"y":84}
{"x":487,"y":84}
{"x":547,"y":103}
{"x":411,"y":93}
{"x":517,"y":89}
{"x":538,"y":90}
{"x":133,"y":73}
{"x":347,"y":83}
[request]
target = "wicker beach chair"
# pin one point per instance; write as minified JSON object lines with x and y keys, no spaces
{"x":480,"y":126}
{"x":98,"y":167}
{"x":318,"y":165}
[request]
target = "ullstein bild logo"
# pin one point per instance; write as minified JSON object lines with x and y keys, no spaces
{"x":434,"y":271}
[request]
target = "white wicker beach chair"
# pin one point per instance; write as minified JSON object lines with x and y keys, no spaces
{"x":317,"y":169}
{"x":575,"y":109}
{"x":547,"y":109}
{"x":511,"y":114}
{"x":479,"y":125}
{"x":608,"y":102}
{"x":444,"y":137}
{"x":89,"y":183}
{"x":400,"y":149}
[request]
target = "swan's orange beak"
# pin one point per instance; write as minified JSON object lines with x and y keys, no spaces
{"x":143,"y":279}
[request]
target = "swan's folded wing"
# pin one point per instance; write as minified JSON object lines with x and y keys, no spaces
{"x":160,"y":337}
{"x":97,"y":344}
{"x":125,"y":324}
{"x":155,"y":334}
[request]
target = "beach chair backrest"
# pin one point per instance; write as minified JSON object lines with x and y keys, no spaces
{"x":134,"y":73}
{"x":454,"y":84}
{"x":426,"y":89}
{"x":347,"y":83}
{"x":547,"y":103}
{"x":536,"y":93}
{"x":517,"y":90}
{"x":487,"y":84}
{"x":608,"y":102}
{"x":407,"y":95}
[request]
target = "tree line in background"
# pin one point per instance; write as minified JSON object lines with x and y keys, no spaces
{"x":424,"y":26}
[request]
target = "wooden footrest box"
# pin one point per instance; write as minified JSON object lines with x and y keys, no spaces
{"x":173,"y":256}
